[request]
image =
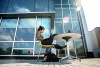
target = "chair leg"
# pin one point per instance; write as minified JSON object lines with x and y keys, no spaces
{"x":39,"y":54}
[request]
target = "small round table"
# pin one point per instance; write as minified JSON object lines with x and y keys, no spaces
{"x":65,"y":37}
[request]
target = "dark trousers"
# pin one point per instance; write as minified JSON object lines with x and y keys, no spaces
{"x":49,"y":41}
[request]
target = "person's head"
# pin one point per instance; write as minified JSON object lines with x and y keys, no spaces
{"x":41,"y":29}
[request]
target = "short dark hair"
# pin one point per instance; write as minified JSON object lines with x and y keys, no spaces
{"x":41,"y":28}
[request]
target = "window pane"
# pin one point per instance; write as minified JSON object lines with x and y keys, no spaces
{"x":73,"y":6}
{"x":3,"y":5}
{"x":20,"y":6}
{"x":27,"y":23}
{"x":41,"y":5}
{"x":58,"y":13}
{"x":37,"y":48}
{"x":25,"y":34}
{"x":64,"y":1}
{"x":65,"y":6}
{"x":67,"y":27}
{"x":57,"y":6}
{"x":74,"y":13}
{"x":79,"y":47}
{"x":5,"y":48}
{"x":51,"y":5}
{"x":7,"y":34}
{"x":72,"y":2}
{"x":66,"y":12}
{"x":25,"y":31}
{"x":57,"y":1}
{"x":23,"y":45}
{"x":58,"y":28}
{"x":22,"y":52}
{"x":8,"y":23}
{"x":76,"y":27}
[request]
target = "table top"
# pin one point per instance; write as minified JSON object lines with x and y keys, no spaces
{"x":73,"y":36}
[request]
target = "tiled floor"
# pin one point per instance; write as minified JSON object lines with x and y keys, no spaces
{"x":31,"y":63}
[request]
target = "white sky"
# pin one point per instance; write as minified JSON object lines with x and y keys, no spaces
{"x":92,"y":13}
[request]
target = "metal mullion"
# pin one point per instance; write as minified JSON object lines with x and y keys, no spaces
{"x":6,"y":41}
{"x":0,"y":20}
{"x":74,"y":45}
{"x":15,"y":35}
{"x":35,"y":36}
{"x":23,"y":41}
{"x":24,"y":48}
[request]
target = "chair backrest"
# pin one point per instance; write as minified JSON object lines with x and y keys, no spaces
{"x":40,"y":44}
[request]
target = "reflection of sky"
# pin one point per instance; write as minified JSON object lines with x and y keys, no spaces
{"x":25,"y":34}
{"x":41,"y":5}
{"x":9,"y":23}
{"x":7,"y":34}
{"x":24,"y":45}
{"x":20,"y":6}
{"x":27,"y":23}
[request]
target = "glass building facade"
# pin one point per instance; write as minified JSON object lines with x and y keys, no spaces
{"x":19,"y":20}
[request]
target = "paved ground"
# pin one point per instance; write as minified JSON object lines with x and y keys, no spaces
{"x":31,"y":63}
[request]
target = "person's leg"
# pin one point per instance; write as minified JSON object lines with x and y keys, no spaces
{"x":49,"y":40}
{"x":58,"y":46}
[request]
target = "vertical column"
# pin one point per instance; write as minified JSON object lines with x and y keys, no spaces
{"x":15,"y":36}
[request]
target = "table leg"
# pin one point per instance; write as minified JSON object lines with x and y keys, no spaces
{"x":68,"y":56}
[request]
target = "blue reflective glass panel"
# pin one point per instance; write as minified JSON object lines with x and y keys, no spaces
{"x":67,"y":27}
{"x":23,"y":45}
{"x":72,"y":2}
{"x":65,"y":6}
{"x":64,"y":1}
{"x":20,"y":6}
{"x":41,"y":5}
{"x":5,"y":48}
{"x":7,"y":34}
{"x":3,"y":5}
{"x":51,"y":5}
{"x":57,"y":1}
{"x":57,"y":6}
{"x":66,"y":13}
{"x":73,"y":6}
{"x":8,"y":23}
{"x":76,"y":27}
{"x":58,"y":13}
{"x":73,"y":13}
{"x":25,"y":34}
{"x":27,"y":23}
{"x":22,"y":52}
{"x":79,"y":47}
{"x":37,"y":48}
{"x":58,"y":28}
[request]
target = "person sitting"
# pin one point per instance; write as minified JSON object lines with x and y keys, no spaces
{"x":46,"y":41}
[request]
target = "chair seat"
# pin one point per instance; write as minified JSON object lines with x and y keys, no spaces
{"x":47,"y":46}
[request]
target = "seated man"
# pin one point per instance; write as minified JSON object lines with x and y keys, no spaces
{"x":46,"y":41}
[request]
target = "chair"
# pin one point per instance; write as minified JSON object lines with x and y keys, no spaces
{"x":44,"y":46}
